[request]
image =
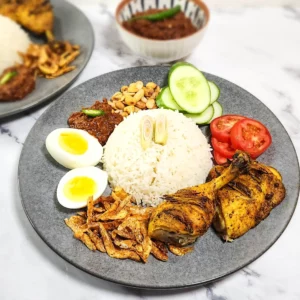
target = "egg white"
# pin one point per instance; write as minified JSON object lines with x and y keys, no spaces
{"x":99,"y":176}
{"x":71,"y":161}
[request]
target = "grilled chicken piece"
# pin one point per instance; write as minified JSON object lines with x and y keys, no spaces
{"x":187,"y":214}
{"x":35,"y":15}
{"x":247,"y":200}
{"x":8,"y":9}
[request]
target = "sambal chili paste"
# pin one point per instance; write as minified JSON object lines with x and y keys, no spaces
{"x":175,"y":27}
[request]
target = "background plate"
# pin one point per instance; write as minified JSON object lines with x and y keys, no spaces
{"x":69,"y":24}
{"x":212,"y":258}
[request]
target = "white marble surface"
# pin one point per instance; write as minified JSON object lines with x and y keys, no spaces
{"x":256,"y":48}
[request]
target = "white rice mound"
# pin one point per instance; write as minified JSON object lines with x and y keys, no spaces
{"x":12,"y":39}
{"x":148,"y":174}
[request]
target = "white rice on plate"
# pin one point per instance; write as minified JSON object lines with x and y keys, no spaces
{"x":148,"y":174}
{"x":12,"y":39}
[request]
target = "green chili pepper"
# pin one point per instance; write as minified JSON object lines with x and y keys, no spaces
{"x":7,"y":77}
{"x":93,"y":112}
{"x":159,"y":16}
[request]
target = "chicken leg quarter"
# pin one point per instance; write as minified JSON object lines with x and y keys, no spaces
{"x":187,"y":214}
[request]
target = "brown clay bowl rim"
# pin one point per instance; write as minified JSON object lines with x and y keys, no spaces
{"x":201,"y":4}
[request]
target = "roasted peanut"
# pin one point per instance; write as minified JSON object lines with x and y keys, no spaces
{"x":119,"y":105}
{"x":141,"y":104}
{"x":124,"y":88}
{"x":129,"y":100}
{"x":117,"y":96}
{"x":151,"y":85}
{"x":139,"y":95}
{"x":112,"y":104}
{"x":132,"y":88}
{"x":127,"y":93}
{"x":150,"y":103}
{"x":148,"y":92}
{"x":134,"y":97}
{"x":129,"y":109}
{"x":139,"y":84}
{"x":154,"y":95}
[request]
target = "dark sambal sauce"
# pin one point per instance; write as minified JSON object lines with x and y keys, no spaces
{"x":100,"y":127}
{"x":176,"y":27}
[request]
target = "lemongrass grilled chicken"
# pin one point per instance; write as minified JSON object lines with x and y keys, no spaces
{"x":246,"y":200}
{"x":187,"y":214}
{"x":35,"y":15}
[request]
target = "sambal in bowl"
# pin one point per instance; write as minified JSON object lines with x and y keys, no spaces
{"x":163,"y":30}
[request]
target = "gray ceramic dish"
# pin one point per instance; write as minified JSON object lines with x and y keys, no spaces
{"x":69,"y":24}
{"x":212,"y":258}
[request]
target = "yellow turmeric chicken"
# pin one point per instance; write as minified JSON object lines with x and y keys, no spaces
{"x":246,"y":200}
{"x":187,"y":214}
{"x":35,"y":15}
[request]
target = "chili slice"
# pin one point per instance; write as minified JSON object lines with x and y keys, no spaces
{"x":7,"y":77}
{"x":160,"y":15}
{"x":93,"y":112}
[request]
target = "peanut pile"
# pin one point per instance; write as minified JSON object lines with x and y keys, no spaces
{"x":134,"y":98}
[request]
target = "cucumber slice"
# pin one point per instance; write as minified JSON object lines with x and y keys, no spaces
{"x":165,"y":99}
{"x":204,"y":117}
{"x":189,"y":88}
{"x":214,"y":92}
{"x":218,"y":110}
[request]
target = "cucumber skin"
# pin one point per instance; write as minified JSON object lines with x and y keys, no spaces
{"x":211,"y":83}
{"x":215,"y":115}
{"x":160,"y":102}
{"x":202,"y":123}
{"x":178,"y":64}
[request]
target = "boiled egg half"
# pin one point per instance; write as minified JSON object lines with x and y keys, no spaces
{"x":79,"y":184}
{"x":74,"y":148}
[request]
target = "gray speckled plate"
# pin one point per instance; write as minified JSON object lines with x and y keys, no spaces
{"x":69,"y":24}
{"x":212,"y":258}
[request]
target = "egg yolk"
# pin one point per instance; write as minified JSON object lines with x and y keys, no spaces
{"x":73,"y":143}
{"x":80,"y":188}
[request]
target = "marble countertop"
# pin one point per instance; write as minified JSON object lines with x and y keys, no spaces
{"x":255,"y":47}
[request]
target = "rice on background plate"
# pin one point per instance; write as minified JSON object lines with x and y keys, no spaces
{"x":12,"y":39}
{"x":148,"y":174}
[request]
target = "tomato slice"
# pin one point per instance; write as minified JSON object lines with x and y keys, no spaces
{"x":224,"y":149}
{"x":250,"y":136}
{"x":220,"y":127}
{"x":219,"y":158}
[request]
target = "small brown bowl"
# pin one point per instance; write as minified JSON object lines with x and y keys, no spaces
{"x":163,"y":50}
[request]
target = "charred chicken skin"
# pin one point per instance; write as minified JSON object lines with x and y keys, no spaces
{"x":187,"y":214}
{"x":247,"y":200}
{"x":35,"y":15}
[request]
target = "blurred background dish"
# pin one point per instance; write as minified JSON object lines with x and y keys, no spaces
{"x":69,"y":24}
{"x":162,"y":37}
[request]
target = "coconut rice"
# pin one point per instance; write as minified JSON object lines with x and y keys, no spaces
{"x":12,"y":39}
{"x":148,"y":174}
